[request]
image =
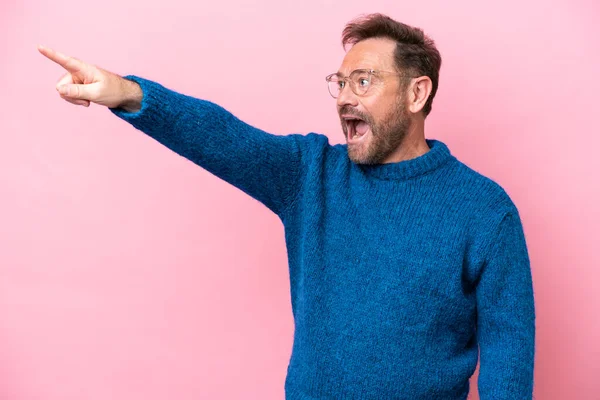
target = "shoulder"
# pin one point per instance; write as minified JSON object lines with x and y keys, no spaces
{"x":316,"y":148}
{"x":486,"y":195}
{"x":486,"y":204}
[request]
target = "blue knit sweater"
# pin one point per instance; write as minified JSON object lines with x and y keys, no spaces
{"x":399,"y":273}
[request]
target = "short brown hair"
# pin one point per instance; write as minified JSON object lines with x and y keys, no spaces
{"x":415,"y":52}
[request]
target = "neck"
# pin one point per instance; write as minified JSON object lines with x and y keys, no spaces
{"x":413,"y":145}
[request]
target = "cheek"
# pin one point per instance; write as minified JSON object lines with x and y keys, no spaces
{"x":380,"y":105}
{"x":380,"y":112}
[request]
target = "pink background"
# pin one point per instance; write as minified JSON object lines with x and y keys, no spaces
{"x":127,"y":272}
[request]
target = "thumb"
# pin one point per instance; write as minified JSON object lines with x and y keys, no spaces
{"x":74,"y":91}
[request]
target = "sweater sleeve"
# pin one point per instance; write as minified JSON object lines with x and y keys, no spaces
{"x":506,"y":316}
{"x":267,"y":167}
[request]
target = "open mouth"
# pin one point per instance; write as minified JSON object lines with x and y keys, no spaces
{"x":356,"y":128}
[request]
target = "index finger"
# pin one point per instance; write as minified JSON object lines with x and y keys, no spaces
{"x":71,"y":64}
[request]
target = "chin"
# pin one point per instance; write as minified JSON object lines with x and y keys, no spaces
{"x":360,"y":155}
{"x":360,"y":148}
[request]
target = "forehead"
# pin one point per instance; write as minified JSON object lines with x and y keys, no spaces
{"x":375,"y":53}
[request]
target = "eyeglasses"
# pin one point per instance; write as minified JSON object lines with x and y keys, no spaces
{"x":360,"y":81}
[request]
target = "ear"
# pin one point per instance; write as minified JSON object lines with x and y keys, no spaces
{"x":418,"y":93}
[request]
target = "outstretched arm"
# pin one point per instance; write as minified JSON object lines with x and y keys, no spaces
{"x":268,"y":167}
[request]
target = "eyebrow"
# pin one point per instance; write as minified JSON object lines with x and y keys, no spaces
{"x":339,"y":73}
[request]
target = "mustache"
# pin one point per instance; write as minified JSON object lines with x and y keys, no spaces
{"x":346,"y":109}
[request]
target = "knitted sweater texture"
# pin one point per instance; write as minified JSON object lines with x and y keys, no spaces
{"x":401,"y":274}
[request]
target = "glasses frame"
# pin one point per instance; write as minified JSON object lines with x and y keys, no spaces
{"x":348,"y":79}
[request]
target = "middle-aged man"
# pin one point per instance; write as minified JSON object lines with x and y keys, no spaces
{"x":403,"y":261}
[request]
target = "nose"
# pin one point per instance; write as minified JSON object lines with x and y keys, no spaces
{"x":347,"y":97}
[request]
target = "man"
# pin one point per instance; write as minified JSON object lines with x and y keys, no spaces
{"x":403,"y":261}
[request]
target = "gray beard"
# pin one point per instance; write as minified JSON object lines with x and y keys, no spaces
{"x":385,"y":139}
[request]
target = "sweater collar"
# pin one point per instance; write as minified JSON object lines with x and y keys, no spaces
{"x":438,"y":154}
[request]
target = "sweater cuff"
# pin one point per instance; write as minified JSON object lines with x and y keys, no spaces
{"x":151,"y":95}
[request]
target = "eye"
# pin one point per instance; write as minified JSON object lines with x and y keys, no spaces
{"x":363,"y":82}
{"x":341,"y":84}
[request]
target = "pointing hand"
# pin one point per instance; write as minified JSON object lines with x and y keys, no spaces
{"x":84,"y":83}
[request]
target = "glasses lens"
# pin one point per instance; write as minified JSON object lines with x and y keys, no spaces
{"x":334,"y":85}
{"x":361,"y":80}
